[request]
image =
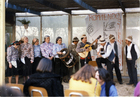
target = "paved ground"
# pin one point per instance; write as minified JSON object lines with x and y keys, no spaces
{"x":123,"y":90}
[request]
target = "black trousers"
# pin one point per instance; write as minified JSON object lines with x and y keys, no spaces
{"x":35,"y":64}
{"x":132,"y":71}
{"x":117,"y":70}
{"x":82,"y":61}
{"x":60,"y":68}
{"x":99,"y":62}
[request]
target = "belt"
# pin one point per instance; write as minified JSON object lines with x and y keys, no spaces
{"x":84,"y":58}
{"x":129,"y":58}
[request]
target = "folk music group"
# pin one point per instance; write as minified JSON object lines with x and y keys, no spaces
{"x":26,"y":59}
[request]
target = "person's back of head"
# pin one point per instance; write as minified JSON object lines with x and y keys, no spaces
{"x":45,"y":65}
{"x":7,"y":91}
{"x":85,"y":73}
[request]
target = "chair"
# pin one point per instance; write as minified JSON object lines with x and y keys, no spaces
{"x":18,"y":87}
{"x":37,"y":91}
{"x":93,"y":63}
{"x":75,"y":93}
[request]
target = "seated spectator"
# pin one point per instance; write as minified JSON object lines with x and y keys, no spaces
{"x":108,"y":88}
{"x":137,"y":90}
{"x":7,"y":92}
{"x":85,"y":80}
{"x":44,"y":78}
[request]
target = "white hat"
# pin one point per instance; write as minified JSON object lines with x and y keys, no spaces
{"x":101,"y":40}
{"x":129,"y":38}
{"x":111,"y":37}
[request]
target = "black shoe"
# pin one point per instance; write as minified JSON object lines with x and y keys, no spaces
{"x":129,"y":83}
{"x":120,"y":82}
{"x":134,"y":85}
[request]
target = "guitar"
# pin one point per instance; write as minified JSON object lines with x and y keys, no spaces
{"x":85,"y":53}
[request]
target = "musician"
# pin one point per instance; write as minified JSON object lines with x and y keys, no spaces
{"x":72,"y":49}
{"x":132,"y":54}
{"x":47,"y":48}
{"x":79,"y":49}
{"x":114,"y":45}
{"x":37,"y":54}
{"x":59,"y":67}
{"x":106,"y":55}
{"x":27,"y":57}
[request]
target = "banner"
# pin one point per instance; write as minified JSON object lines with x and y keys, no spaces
{"x":104,"y":25}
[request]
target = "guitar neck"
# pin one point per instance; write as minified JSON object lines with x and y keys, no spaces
{"x":92,"y":43}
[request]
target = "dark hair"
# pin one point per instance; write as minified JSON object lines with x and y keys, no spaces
{"x":33,"y":42}
{"x":85,"y":73}
{"x":7,"y":91}
{"x":15,"y":42}
{"x":103,"y":74}
{"x":58,"y":38}
{"x":45,"y":65}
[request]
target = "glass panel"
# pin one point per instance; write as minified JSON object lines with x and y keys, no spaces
{"x":8,"y":35}
{"x":78,"y":26}
{"x":33,"y":30}
{"x":133,"y":29}
{"x":55,"y":26}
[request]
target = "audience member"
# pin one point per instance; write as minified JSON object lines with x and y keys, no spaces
{"x":44,"y":78}
{"x":85,"y":80}
{"x":108,"y":88}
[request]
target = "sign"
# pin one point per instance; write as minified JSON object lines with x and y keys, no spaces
{"x":105,"y":24}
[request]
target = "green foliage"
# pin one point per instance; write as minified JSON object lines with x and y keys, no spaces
{"x":24,"y":21}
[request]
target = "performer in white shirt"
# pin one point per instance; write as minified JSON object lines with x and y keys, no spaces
{"x":106,"y":55}
{"x":132,"y":54}
{"x":114,"y":45}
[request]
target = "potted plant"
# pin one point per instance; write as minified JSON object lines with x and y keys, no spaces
{"x":25,"y":23}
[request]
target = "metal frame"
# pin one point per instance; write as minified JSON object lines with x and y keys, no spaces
{"x":35,"y":90}
{"x":122,"y":7}
{"x":83,"y":4}
{"x":15,"y":87}
{"x":19,"y":8}
{"x":75,"y":93}
{"x":51,"y":5}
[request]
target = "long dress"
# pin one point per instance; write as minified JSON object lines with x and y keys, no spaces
{"x":27,"y":56}
{"x":12,"y":57}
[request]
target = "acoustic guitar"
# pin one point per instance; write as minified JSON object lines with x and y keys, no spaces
{"x":85,"y":53}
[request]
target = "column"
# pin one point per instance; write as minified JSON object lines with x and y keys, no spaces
{"x":2,"y":42}
{"x":124,"y":36}
{"x":69,"y":29}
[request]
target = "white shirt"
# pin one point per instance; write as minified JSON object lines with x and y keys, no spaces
{"x":107,"y":51}
{"x":112,"y":44}
{"x":129,"y":53}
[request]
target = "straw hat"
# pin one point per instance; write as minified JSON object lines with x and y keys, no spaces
{"x":111,"y":37}
{"x":101,"y":40}
{"x":129,"y":38}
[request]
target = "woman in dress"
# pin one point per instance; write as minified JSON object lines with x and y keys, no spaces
{"x":12,"y":58}
{"x":27,"y":57}
{"x":37,"y":54}
{"x":59,"y":67}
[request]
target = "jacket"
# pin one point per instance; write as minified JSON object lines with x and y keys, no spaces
{"x":51,"y":82}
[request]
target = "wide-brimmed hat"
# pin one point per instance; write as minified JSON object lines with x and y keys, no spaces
{"x":83,"y":36}
{"x":129,"y":38}
{"x":111,"y":37}
{"x":101,"y":40}
{"x":75,"y":39}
